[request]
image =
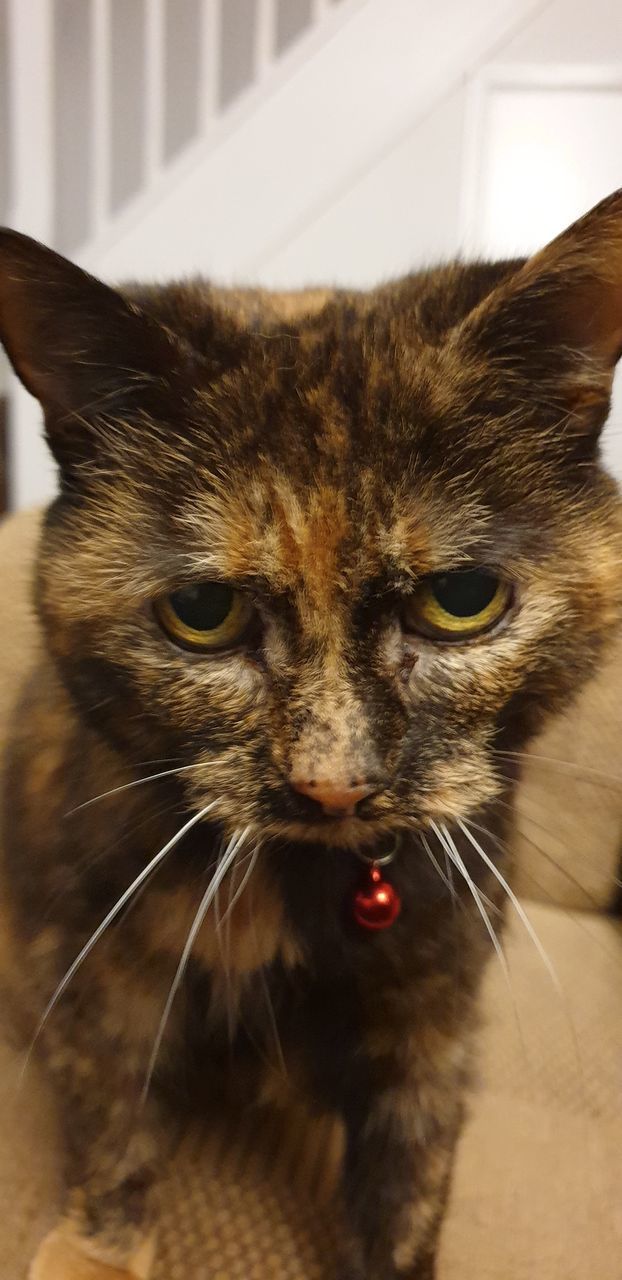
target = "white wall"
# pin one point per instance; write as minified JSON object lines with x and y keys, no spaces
{"x":529,"y":139}
{"x":370,"y":157}
{"x":330,"y":121}
{"x":410,"y":205}
{"x":570,"y":31}
{"x":401,"y":211}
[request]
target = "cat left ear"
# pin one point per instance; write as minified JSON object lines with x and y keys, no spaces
{"x":77,"y":345}
{"x":556,"y":323}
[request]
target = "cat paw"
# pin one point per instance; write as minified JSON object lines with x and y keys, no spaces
{"x":61,"y":1257}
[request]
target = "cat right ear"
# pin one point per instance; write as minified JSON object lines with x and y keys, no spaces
{"x":551,"y":333}
{"x":78,"y":346}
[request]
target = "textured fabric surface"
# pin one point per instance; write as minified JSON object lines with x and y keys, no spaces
{"x":536,"y":1192}
{"x":537,"y":1183}
{"x":569,"y":819}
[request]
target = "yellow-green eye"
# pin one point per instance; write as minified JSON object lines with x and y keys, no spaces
{"x":457,"y":605}
{"x":205,"y":616}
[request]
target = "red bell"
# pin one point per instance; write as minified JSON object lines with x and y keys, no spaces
{"x":377,"y":904}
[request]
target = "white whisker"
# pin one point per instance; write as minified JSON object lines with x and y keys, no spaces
{"x":240,"y":890}
{"x":450,"y":877}
{"x":544,"y":853}
{"x":504,"y":847}
{"x":90,"y":860}
{"x":518,"y":907}
{"x":235,"y":892}
{"x":449,"y":862}
{"x":112,"y":915}
{"x":524,"y":814}
{"x":446,"y":842}
{"x":495,"y":940}
{"x":224,"y":945}
{"x":548,"y":964}
{"x":221,"y":853}
{"x":138,"y":782}
{"x":266,"y":991}
{"x":437,"y":866}
{"x":594,"y":777}
{"x":228,"y":858}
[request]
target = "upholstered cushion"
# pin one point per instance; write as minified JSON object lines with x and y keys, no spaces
{"x":537,"y":1186}
{"x":569,"y":836}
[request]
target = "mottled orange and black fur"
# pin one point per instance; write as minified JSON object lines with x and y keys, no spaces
{"x":323,"y":452}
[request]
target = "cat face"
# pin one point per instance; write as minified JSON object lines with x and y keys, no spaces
{"x":331,"y":567}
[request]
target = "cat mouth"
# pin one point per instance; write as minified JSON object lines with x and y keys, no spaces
{"x":340,"y":832}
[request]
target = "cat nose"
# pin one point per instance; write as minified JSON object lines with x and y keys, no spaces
{"x":337,"y":799}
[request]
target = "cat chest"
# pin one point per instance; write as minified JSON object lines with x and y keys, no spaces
{"x":237,"y":938}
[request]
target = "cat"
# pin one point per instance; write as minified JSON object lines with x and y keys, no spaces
{"x":319,"y":566}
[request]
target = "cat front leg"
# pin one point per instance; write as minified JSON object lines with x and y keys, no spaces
{"x":113,"y":1156}
{"x":401,"y":1133}
{"x":65,"y":1255}
{"x":95,"y":1052}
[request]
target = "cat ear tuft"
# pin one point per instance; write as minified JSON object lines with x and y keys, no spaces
{"x":77,"y":345}
{"x":556,"y":323}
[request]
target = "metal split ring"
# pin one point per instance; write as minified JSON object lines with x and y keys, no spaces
{"x":384,"y":859}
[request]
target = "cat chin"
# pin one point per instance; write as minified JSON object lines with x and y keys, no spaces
{"x":343,"y":833}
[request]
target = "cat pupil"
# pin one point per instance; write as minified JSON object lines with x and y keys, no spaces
{"x":204,"y":606}
{"x":466,"y":593}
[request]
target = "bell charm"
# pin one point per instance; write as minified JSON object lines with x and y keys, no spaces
{"x":377,"y":904}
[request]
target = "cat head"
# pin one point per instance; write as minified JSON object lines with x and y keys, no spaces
{"x":331,"y":556}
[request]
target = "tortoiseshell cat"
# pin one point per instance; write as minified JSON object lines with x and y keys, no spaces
{"x":321,"y":563}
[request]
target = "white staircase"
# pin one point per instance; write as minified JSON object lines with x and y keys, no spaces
{"x":279,"y":141}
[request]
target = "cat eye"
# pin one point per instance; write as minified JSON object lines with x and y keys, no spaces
{"x":206,"y":616}
{"x":457,"y":605}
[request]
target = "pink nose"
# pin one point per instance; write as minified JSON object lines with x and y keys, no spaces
{"x":338,"y":800}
